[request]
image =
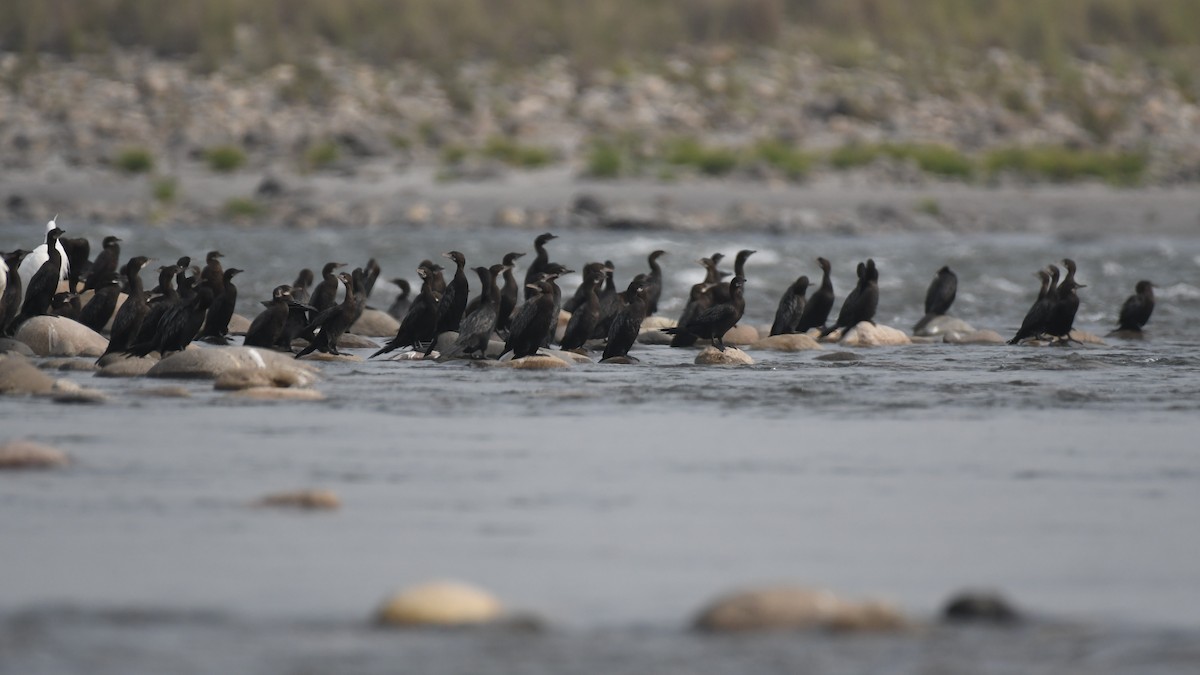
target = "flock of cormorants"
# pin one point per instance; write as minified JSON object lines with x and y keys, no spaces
{"x":190,"y":302}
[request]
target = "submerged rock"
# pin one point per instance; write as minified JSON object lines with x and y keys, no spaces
{"x":375,"y":324}
{"x":19,"y":376}
{"x":1119,"y":334}
{"x":941,"y":325}
{"x":23,"y":454}
{"x":839,"y":357}
{"x":1087,"y":338}
{"x":776,"y":608}
{"x":277,"y":394}
{"x":794,"y":342}
{"x":439,"y":603}
{"x":979,"y":337}
{"x":208,"y":363}
{"x":274,"y":375}
{"x":58,"y":336}
{"x":536,"y":362}
{"x":11,"y":346}
{"x":732,"y":356}
{"x":118,"y":365}
{"x":866,"y":334}
{"x":302,"y":499}
{"x":740,"y":335}
{"x":976,"y":606}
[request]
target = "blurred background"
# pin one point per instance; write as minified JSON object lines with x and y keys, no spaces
{"x":897,"y":92}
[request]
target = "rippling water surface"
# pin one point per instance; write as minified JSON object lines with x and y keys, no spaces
{"x":615,"y":501}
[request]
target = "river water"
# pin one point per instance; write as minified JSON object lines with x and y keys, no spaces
{"x":616,"y":501}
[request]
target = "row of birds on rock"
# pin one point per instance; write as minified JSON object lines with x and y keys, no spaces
{"x":191,"y":302}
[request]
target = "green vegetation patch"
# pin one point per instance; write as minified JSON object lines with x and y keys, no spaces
{"x":321,"y":155}
{"x":605,"y":159}
{"x":165,"y":189}
{"x":243,"y":208}
{"x":1065,"y":165}
{"x":793,"y":162}
{"x":225,"y":158}
{"x":690,"y":152}
{"x":513,"y":153}
{"x":135,"y":160}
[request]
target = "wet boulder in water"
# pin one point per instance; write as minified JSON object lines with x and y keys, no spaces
{"x":277,"y":394}
{"x":19,"y":376}
{"x":275,"y":374}
{"x":775,"y":608}
{"x":119,"y":365}
{"x":59,"y":336}
{"x":439,"y":604}
{"x":979,"y":337}
{"x":942,"y":325}
{"x":238,"y":324}
{"x":1086,"y":337}
{"x":536,"y":362}
{"x":790,"y":342}
{"x":740,"y":335}
{"x":985,"y":607}
{"x":375,"y":323}
{"x":732,"y":356}
{"x":866,"y":334}
{"x":210,"y":362}
{"x":23,"y":454}
{"x":302,"y":499}
{"x":11,"y":346}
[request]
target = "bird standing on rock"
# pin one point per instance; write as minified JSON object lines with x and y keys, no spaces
{"x":714,"y":322}
{"x":1136,"y":311}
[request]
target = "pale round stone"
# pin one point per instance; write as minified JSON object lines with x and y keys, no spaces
{"x":866,"y":334}
{"x":22,"y":454}
{"x":795,"y":342}
{"x":741,"y":335}
{"x":567,"y":356}
{"x":375,"y":324}
{"x":942,"y":325}
{"x":439,"y":603}
{"x":210,"y":362}
{"x":1087,"y":338}
{"x":58,"y":336}
{"x":795,"y":608}
{"x":658,"y":323}
{"x":302,"y":499}
{"x":322,"y":356}
{"x":979,"y":337}
{"x":653,"y":336}
{"x":277,"y":394}
{"x":125,"y":366}
{"x":732,"y":356}
{"x":238,"y":324}
{"x":537,"y":362}
{"x":19,"y":376}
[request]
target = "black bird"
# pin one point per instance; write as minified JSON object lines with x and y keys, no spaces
{"x":78,"y":250}
{"x":861,"y":303}
{"x":1136,"y":311}
{"x":266,"y":328}
{"x":1034,"y":323}
{"x":358,"y":282}
{"x":939,"y":296}
{"x":66,"y":305}
{"x":721,"y":292}
{"x":628,"y":322}
{"x":185,"y":265}
{"x":587,"y":314}
{"x":476,"y":328}
{"x":820,"y":303}
{"x":715,"y":321}
{"x":533,"y":274}
{"x":454,"y":299}
{"x":509,"y":293}
{"x":420,"y":323}
{"x":552,"y":273}
{"x":213,"y":273}
{"x":791,"y":306}
{"x":324,"y":295}
{"x":128,"y":321}
{"x":300,"y":286}
{"x":370,"y":276}
{"x":10,"y":295}
{"x":178,"y":326}
{"x":700,"y":298}
{"x":849,"y":304}
{"x":532,"y":321}
{"x":610,"y":302}
{"x":1066,"y":304}
{"x":168,"y":297}
{"x":399,"y":306}
{"x":40,"y":290}
{"x":106,"y":264}
{"x":216,"y":325}
{"x":654,"y":283}
{"x":100,"y":308}
{"x":329,"y":325}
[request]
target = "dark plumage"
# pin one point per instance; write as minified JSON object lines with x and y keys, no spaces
{"x":816,"y":310}
{"x":105,"y":265}
{"x":454,"y":300}
{"x":216,"y":325}
{"x":791,"y":306}
{"x":476,"y":328}
{"x":1035,"y":319}
{"x":370,"y":276}
{"x":610,"y":302}
{"x":587,"y":314}
{"x":213,"y":274}
{"x":700,"y":298}
{"x":10,"y":297}
{"x":939,"y":296}
{"x":40,"y":290}
{"x":420,"y":323}
{"x":100,"y":308}
{"x":78,"y":250}
{"x":399,"y":306}
{"x":538,"y":266}
{"x":1136,"y":311}
{"x":128,"y":321}
{"x":861,"y":302}
{"x":552,"y":273}
{"x":721,"y":292}
{"x":654,"y":283}
{"x":509,"y":293}
{"x":628,"y":322}
{"x":714,"y":322}
{"x":1066,"y":304}
{"x":328,"y":326}
{"x":266,"y":328}
{"x":168,"y":297}
{"x":324,"y":295}
{"x":300,"y":286}
{"x":66,"y":305}
{"x":532,"y":321}
{"x":178,"y":326}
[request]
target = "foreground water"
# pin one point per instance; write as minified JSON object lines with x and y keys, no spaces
{"x":615,"y":501}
